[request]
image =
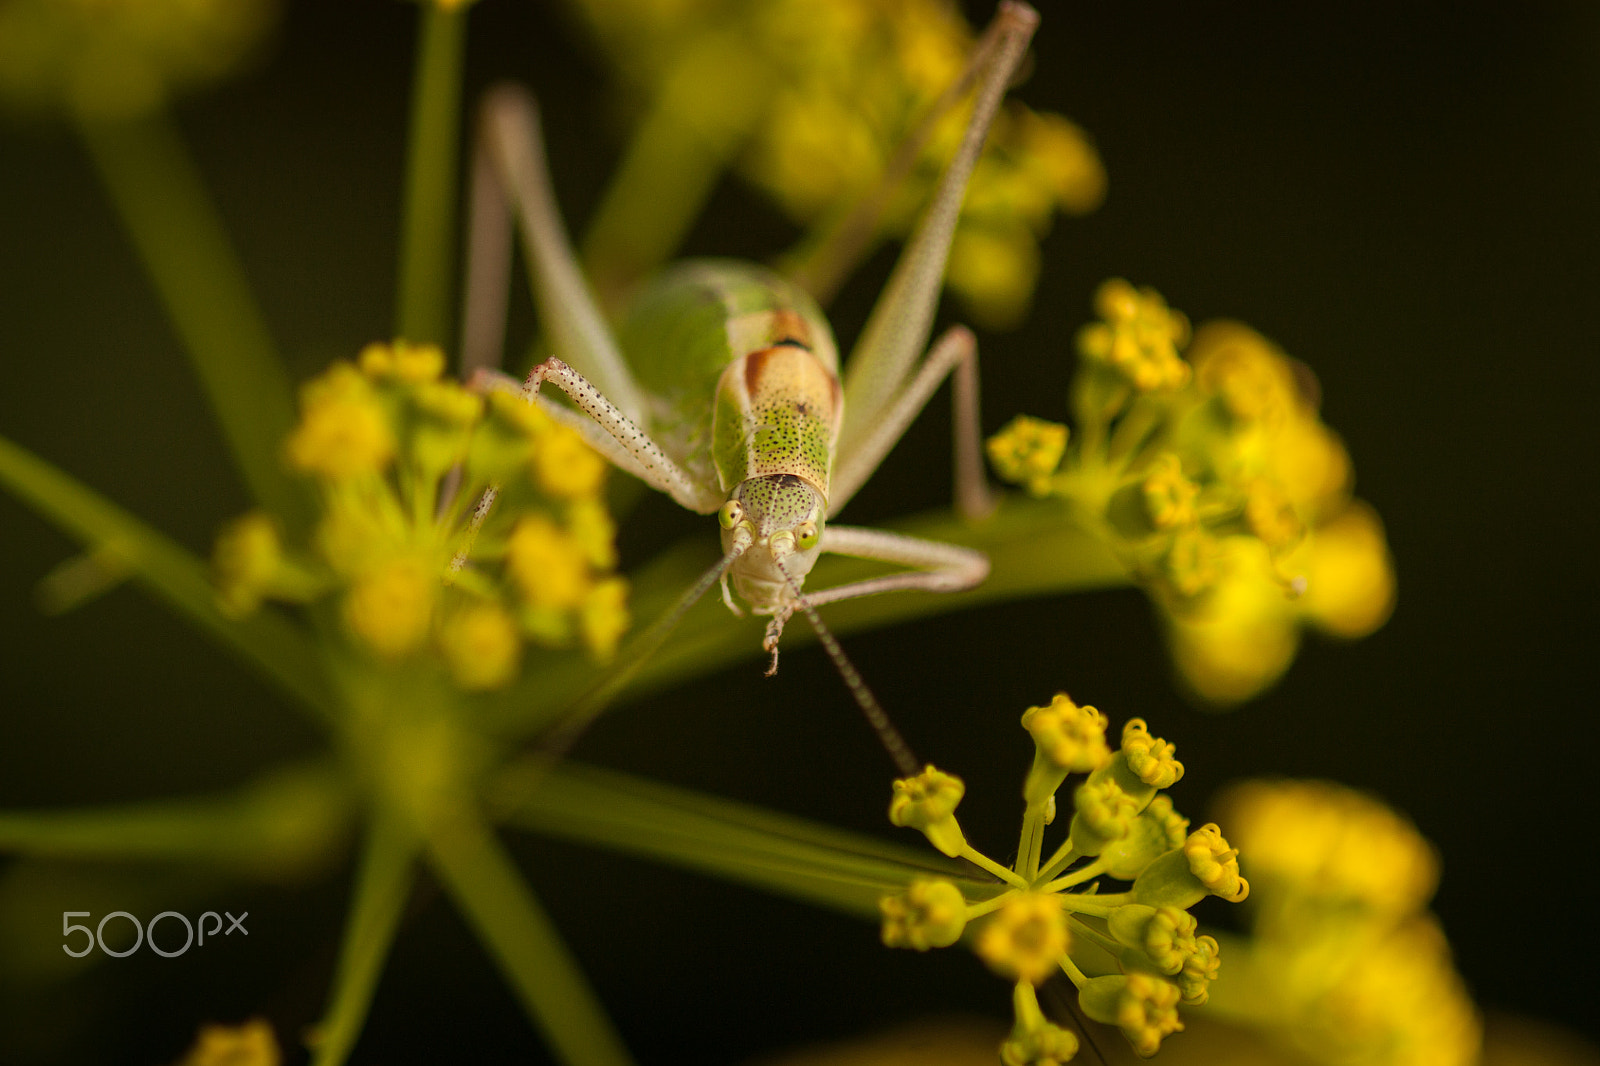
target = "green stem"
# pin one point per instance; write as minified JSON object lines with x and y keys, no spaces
{"x":770,"y":851}
{"x":287,"y":821}
{"x":510,"y":921}
{"x":1031,"y":842}
{"x":982,"y":861}
{"x":1062,"y":858}
{"x":265,"y":640}
{"x":1082,"y":929}
{"x":1076,"y":877}
{"x":179,"y":237}
{"x":699,"y":118}
{"x":427,"y":256}
{"x":382,"y":884}
{"x":1099,"y":906}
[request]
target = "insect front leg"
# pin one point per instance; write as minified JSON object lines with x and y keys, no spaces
{"x":939,"y":567}
{"x":648,"y":460}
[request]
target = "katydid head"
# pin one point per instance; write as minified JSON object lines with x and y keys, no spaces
{"x":770,"y":518}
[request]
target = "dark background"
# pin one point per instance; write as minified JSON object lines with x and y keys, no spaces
{"x":1403,"y":196}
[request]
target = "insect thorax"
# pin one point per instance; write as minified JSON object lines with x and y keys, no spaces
{"x":744,"y":372}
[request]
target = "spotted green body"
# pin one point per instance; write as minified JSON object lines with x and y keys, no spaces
{"x":743,"y":370}
{"x":743,"y":376}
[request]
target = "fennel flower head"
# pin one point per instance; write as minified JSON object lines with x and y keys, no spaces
{"x":1199,"y":458}
{"x":407,"y":553}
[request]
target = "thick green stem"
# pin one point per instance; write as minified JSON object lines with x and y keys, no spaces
{"x":697,"y":121}
{"x":382,"y":884}
{"x":509,"y":920}
{"x":163,"y":203}
{"x":268,"y":642}
{"x":427,"y":254}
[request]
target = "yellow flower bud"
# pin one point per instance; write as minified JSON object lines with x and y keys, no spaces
{"x":480,"y":646}
{"x":547,"y":565}
{"x":1143,"y":1006}
{"x":389,"y":608}
{"x":564,"y":466}
{"x":243,"y":563}
{"x":928,"y":914}
{"x":343,"y":430}
{"x":1026,"y":938}
{"x":250,"y":1043}
{"x":928,"y":803}
{"x":604,"y":617}
{"x":1027,"y":451}
{"x":1350,"y":583}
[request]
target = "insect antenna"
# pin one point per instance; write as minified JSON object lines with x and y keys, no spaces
{"x":877,"y":717}
{"x":1059,"y":999}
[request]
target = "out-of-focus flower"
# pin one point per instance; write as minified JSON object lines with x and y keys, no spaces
{"x":415,"y":574}
{"x":1204,"y":465}
{"x":841,"y":84}
{"x":114,"y":58}
{"x":1343,"y":962}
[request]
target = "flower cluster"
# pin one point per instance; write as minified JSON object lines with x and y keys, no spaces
{"x":1136,"y":955}
{"x":816,"y":96}
{"x":1200,"y":458}
{"x":1360,"y":972}
{"x":112,"y":58}
{"x":405,"y":463}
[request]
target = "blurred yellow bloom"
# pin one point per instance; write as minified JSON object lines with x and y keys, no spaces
{"x":1204,"y":464}
{"x":1027,"y":451}
{"x":116,"y":58}
{"x":1322,"y":840}
{"x":390,"y":607}
{"x":481,"y":646}
{"x":399,"y":539}
{"x":1026,"y":938}
{"x":343,"y":431}
{"x":547,"y":564}
{"x":250,"y":1043}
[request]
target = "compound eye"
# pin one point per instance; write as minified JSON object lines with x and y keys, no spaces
{"x":731,"y":514}
{"x":806,"y":535}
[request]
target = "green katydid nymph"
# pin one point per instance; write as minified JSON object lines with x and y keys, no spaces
{"x":722,"y":385}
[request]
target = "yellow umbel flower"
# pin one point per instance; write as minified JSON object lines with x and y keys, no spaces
{"x":565,"y":467}
{"x":928,"y":914}
{"x":1219,"y":488}
{"x":1364,"y":974}
{"x":250,"y":1043}
{"x":1026,"y":939}
{"x":1139,"y":338}
{"x":1144,"y":1007}
{"x":455,"y":527}
{"x":1134,"y":955}
{"x":1027,"y":451}
{"x":1070,"y":737}
{"x":928,"y":803}
{"x":343,"y":431}
{"x":1319,"y":839}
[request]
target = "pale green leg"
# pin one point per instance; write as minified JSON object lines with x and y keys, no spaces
{"x":900,"y":322}
{"x":955,"y":353}
{"x":510,"y":177}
